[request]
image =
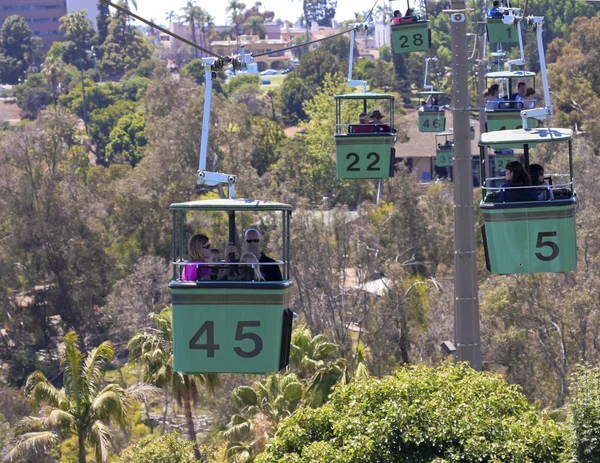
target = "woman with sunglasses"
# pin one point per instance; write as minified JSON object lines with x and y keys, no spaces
{"x":517,"y":178}
{"x":198,"y":253}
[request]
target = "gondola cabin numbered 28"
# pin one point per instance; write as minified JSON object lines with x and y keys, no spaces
{"x":365,"y":136}
{"x":231,"y":315}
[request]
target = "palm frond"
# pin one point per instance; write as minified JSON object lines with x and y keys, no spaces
{"x":72,"y":362}
{"x":60,"y":419}
{"x":31,"y":442}
{"x":99,"y":437}
{"x":113,"y":403}
{"x":93,"y":367}
{"x":40,"y":390}
{"x":141,"y":391}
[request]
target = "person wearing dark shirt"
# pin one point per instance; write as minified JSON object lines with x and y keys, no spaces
{"x":494,"y":11}
{"x":270,"y":272}
{"x":376,"y":117}
{"x":517,"y":176}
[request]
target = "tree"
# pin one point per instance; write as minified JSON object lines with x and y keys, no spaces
{"x":191,"y":16}
{"x":17,"y":49}
{"x":308,"y":354}
{"x":78,"y":32}
{"x":102,"y":21}
{"x":320,"y":11}
{"x":127,"y":140}
{"x":169,"y":448}
{"x":124,"y":49}
{"x":81,"y":408}
{"x":54,"y":72}
{"x":255,"y":25}
{"x":236,"y":10}
{"x":154,"y":352}
{"x":421,"y":414}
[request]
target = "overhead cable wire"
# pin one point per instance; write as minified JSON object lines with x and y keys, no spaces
{"x":162,"y":29}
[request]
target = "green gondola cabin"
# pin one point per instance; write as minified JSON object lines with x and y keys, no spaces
{"x":230,"y":326}
{"x":529,"y":236}
{"x":432,"y":115}
{"x":444,"y":152}
{"x":498,"y":32}
{"x":364,"y":150}
{"x":506,"y":114}
{"x":411,"y":36}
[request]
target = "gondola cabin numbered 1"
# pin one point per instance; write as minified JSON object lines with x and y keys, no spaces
{"x":230,"y":318}
{"x":365,"y":136}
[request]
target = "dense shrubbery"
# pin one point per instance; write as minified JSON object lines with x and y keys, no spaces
{"x":420,"y":414}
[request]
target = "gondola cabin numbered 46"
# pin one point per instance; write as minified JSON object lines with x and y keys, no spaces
{"x":230,"y":324}
{"x":365,"y":136}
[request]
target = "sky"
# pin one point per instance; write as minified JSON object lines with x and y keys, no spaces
{"x":284,"y":9}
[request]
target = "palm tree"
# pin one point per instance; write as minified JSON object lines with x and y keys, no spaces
{"x":190,"y":17}
{"x":170,"y":16}
{"x":154,"y":352}
{"x":308,"y":354}
{"x":79,"y":409}
{"x":255,"y":25}
{"x":383,"y":13}
{"x":54,"y":71}
{"x":261,"y":408}
{"x":236,"y":8}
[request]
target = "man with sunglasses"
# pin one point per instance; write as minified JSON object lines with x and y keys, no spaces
{"x":252,"y":240}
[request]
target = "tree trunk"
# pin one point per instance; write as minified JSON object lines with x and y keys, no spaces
{"x":164,"y":418}
{"x":189,"y":419}
{"x":81,"y":442}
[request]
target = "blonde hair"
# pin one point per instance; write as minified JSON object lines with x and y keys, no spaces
{"x":250,"y":258}
{"x":196,"y":247}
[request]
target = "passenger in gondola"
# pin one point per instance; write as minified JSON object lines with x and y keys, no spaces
{"x":379,"y":126}
{"x":364,"y":125}
{"x":249,"y":268}
{"x":396,"y":19}
{"x":409,"y":16}
{"x":515,"y":98}
{"x":537,"y":179}
{"x":495,"y":10}
{"x":517,"y":178}
{"x":529,"y":99}
{"x":493,"y":99}
{"x":216,"y":266}
{"x":198,"y":255}
{"x":431,"y":104}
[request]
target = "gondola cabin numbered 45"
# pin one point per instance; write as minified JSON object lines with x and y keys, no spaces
{"x":365,"y":136}
{"x":225,"y":322}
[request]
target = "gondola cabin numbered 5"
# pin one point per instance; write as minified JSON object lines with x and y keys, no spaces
{"x":529,"y":229}
{"x":365,"y":136}
{"x":230,"y":319}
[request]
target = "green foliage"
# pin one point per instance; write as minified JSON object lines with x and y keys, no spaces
{"x":82,"y":408}
{"x":102,"y":123}
{"x":195,"y":70}
{"x":584,"y":414}
{"x":321,"y":11}
{"x":17,"y":49}
{"x":420,"y":414}
{"x":127,"y":140}
{"x":169,"y":448}
{"x":102,"y":21}
{"x":32,"y":96}
{"x":240,"y":80}
{"x":269,"y":136}
{"x":78,"y":33}
{"x":124,"y":48}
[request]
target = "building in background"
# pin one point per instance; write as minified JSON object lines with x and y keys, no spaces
{"x":43,"y":16}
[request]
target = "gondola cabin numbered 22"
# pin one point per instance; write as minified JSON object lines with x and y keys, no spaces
{"x":232,"y":315}
{"x":365,"y":136}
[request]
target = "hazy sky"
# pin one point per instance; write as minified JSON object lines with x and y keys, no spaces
{"x":284,"y":9}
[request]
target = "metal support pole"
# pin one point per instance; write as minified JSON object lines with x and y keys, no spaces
{"x":481,"y":102}
{"x":466,"y":301}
